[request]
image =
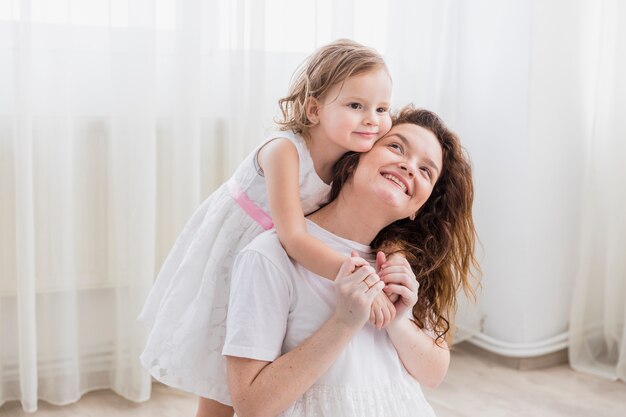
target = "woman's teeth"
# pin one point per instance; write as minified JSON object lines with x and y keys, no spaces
{"x":396,"y":180}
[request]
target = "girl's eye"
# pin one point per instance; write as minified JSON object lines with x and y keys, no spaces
{"x":427,"y":172}
{"x":381,"y":110}
{"x":355,"y":106}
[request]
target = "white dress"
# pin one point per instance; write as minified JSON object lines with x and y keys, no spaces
{"x":188,"y":303}
{"x":276,"y":304}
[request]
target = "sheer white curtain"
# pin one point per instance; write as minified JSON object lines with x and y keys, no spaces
{"x":117,"y":118}
{"x":598,"y":314}
{"x":77,"y":116}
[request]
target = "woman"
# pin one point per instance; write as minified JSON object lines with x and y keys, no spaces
{"x":299,"y":345}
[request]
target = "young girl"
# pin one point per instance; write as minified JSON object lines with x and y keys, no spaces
{"x":338,"y":102}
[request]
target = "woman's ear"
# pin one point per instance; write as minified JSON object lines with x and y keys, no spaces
{"x":412,"y":216}
{"x":312,"y":108}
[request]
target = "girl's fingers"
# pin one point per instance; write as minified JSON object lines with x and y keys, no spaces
{"x":379,"y":318}
{"x":387,"y":316}
{"x":392,"y":313}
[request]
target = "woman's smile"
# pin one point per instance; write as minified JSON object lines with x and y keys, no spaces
{"x":398,"y":181}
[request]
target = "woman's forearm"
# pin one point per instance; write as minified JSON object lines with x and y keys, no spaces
{"x":425,"y":360}
{"x":270,"y":390}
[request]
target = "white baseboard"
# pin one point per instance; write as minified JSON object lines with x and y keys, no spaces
{"x":520,"y":350}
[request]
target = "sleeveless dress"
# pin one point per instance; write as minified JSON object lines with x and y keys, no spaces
{"x":188,"y":303}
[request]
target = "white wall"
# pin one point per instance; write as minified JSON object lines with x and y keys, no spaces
{"x":521,"y":113}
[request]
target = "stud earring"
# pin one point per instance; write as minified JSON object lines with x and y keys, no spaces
{"x":412,"y":216}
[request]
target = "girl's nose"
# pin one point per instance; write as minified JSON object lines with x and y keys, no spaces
{"x":371,"y":118}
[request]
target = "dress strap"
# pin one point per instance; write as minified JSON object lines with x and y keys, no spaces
{"x":254,"y":211}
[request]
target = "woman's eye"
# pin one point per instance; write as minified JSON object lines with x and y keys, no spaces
{"x":396,"y":146}
{"x":355,"y":106}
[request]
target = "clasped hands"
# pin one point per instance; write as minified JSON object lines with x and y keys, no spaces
{"x":380,"y":294}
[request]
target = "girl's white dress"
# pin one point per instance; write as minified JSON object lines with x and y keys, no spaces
{"x":188,"y":303}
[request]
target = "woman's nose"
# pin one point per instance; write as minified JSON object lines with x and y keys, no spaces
{"x":405,"y":167}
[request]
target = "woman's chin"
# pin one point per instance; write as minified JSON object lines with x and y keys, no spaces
{"x":393,"y":199}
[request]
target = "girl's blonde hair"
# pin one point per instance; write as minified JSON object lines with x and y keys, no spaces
{"x":326,"y":67}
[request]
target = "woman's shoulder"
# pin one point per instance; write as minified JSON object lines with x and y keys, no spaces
{"x":267,"y":249}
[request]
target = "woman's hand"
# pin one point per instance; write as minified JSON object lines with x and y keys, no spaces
{"x":356,"y":285}
{"x":426,"y":360}
{"x":399,"y":281}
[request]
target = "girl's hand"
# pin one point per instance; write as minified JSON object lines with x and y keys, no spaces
{"x":400,"y":281}
{"x":356,"y":286}
{"x":383,"y":310}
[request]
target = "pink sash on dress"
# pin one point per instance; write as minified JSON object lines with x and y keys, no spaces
{"x":254,"y":211}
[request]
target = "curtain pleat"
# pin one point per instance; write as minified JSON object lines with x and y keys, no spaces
{"x":25,"y":219}
{"x":598,"y":312}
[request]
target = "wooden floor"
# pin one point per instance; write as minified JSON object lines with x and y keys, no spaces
{"x":476,"y":386}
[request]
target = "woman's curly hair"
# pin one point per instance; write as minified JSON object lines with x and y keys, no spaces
{"x":439,"y":243}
